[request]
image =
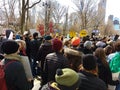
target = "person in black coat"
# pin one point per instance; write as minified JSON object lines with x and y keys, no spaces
{"x":15,"y":75}
{"x":87,"y":47}
{"x":44,"y":49}
{"x":104,"y":71}
{"x":89,"y":75}
{"x":34,"y":46}
{"x":53,"y":61}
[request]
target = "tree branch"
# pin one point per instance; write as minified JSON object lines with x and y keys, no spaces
{"x":33,"y":4}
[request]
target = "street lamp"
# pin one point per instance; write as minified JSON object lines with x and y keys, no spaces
{"x":47,"y":15}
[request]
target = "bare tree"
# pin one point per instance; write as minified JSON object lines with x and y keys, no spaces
{"x":86,"y":8}
{"x":109,"y":28}
{"x":54,"y":12}
{"x":8,"y":12}
{"x":58,"y":11}
{"x":24,"y":6}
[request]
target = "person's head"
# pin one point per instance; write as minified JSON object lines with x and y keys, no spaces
{"x":47,"y":38}
{"x":22,"y":44}
{"x":108,"y":50}
{"x":35,"y":35}
{"x":66,"y":42}
{"x":74,"y":57}
{"x":8,"y":34}
{"x":89,"y":63}
{"x":104,"y":39}
{"x":10,"y":47}
{"x":67,"y":79}
{"x":88,"y":44}
{"x":57,"y":45}
{"x":117,"y":45}
{"x":75,"y":41}
{"x":100,"y":54}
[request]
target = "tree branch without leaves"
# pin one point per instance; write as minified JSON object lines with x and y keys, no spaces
{"x":33,"y":4}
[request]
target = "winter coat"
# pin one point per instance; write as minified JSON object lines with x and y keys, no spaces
{"x":105,"y":74}
{"x":34,"y":46}
{"x":15,"y":75}
{"x":52,"y":63}
{"x":90,"y":81}
{"x":44,"y":49}
{"x":25,"y":62}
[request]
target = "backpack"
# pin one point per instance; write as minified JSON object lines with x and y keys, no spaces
{"x":3,"y":85}
{"x":115,"y":63}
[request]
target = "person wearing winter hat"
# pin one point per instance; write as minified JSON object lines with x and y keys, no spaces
{"x":87,"y":47}
{"x":54,"y":60}
{"x":75,"y":42}
{"x":17,"y":79}
{"x":66,"y":79}
{"x":9,"y":47}
{"x":44,"y":49}
{"x":88,"y":75}
{"x":57,"y":45}
{"x":74,"y":57}
{"x":47,"y":37}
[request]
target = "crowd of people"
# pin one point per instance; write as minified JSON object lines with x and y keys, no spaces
{"x":75,"y":63}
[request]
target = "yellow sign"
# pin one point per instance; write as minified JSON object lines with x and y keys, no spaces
{"x":72,"y":33}
{"x":83,"y":33}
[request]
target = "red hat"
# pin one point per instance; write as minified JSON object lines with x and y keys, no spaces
{"x":57,"y":45}
{"x":75,"y":41}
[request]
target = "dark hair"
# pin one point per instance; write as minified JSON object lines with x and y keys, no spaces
{"x":35,"y":35}
{"x":89,"y":62}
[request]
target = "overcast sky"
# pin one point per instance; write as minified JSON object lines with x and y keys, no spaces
{"x":112,"y":7}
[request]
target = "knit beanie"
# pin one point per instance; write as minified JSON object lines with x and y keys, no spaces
{"x":57,"y":44}
{"x":9,"y":46}
{"x":75,"y":41}
{"x":67,"y":77}
{"x":89,"y":62}
{"x":47,"y":37}
{"x":88,"y":44}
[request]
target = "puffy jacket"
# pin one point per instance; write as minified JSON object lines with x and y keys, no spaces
{"x":52,"y":63}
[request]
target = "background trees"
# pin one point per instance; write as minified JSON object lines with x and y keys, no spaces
{"x":18,"y":15}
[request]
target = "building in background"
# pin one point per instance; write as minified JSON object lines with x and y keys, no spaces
{"x":115,"y":21}
{"x":102,"y":9}
{"x":116,"y":24}
{"x":110,"y":17}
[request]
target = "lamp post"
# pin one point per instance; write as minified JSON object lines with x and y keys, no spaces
{"x":47,"y":16}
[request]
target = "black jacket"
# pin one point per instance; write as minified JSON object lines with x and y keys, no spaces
{"x":34,"y":46}
{"x":44,"y":49}
{"x":52,"y":63}
{"x":90,"y":82}
{"x":105,"y":74}
{"x":15,"y":76}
